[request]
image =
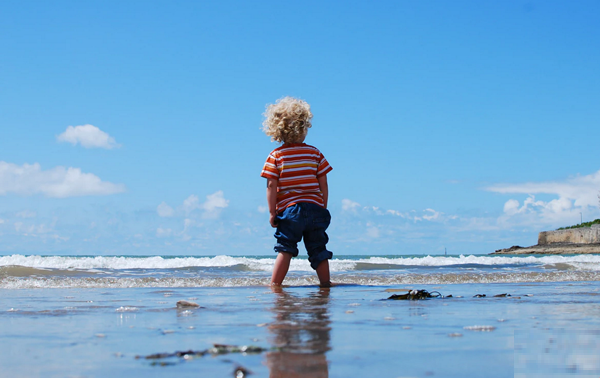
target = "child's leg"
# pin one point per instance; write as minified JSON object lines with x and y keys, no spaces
{"x":315,"y":241}
{"x":282,"y":265}
{"x":323,"y":274}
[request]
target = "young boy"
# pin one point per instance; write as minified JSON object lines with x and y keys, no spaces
{"x":297,"y":189}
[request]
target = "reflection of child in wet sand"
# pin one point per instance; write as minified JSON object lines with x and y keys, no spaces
{"x":301,"y":330}
{"x":297,"y":189}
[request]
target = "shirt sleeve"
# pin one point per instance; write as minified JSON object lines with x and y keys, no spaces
{"x":324,"y":167}
{"x":270,"y":170}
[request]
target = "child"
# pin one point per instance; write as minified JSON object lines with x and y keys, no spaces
{"x":297,"y":189}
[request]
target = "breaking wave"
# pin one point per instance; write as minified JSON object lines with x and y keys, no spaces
{"x":293,"y":280}
{"x":345,"y":263}
{"x":33,"y":271}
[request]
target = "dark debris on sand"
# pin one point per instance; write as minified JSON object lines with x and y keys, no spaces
{"x":416,"y":295}
{"x":424,"y":294}
{"x":217,"y":349}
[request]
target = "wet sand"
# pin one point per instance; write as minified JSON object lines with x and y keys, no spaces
{"x":543,"y":329}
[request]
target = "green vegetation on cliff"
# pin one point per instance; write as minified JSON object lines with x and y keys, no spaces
{"x":585,"y":224}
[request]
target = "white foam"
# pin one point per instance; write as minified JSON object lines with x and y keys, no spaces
{"x":297,"y":279}
{"x":127,"y":309}
{"x":586,"y":262}
{"x":480,"y":328}
{"x":481,"y":260}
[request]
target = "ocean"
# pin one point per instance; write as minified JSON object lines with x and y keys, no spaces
{"x":32,"y":271}
{"x":117,"y":316}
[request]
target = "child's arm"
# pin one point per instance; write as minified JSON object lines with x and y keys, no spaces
{"x":324,"y":188}
{"x":272,"y":200}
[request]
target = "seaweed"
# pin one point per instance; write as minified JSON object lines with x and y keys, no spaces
{"x":417,"y":295}
{"x":217,"y":349}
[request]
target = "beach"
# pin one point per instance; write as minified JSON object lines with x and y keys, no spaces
{"x":95,"y":321}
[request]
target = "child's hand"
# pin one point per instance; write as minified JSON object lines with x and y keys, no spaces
{"x":273,"y":220}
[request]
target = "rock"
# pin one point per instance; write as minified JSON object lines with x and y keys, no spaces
{"x":507,"y":250}
{"x":241,"y":372}
{"x":186,"y":304}
{"x":551,"y":249}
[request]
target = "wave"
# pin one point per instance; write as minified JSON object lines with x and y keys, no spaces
{"x":340,"y":264}
{"x":294,"y":280}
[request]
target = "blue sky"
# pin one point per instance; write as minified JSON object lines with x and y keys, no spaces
{"x":134,"y":127}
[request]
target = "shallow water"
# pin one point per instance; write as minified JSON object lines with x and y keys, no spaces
{"x":543,"y":329}
{"x":92,"y":315}
{"x":19,"y":271}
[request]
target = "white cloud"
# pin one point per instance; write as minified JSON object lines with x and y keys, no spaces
{"x":212,"y":206}
{"x":348,"y":205}
{"x":576,"y":195}
{"x":33,"y":229}
{"x":191,"y":203}
{"x":511,"y":207}
{"x":581,"y":189}
{"x":2,"y":221}
{"x":426,"y":215}
{"x":26,"y":214}
{"x":215,"y":202}
{"x":163,"y":232}
{"x":373,"y":231}
{"x":262,"y":209}
{"x":431,"y":214}
{"x":89,"y":136}
{"x":57,"y":182}
{"x":535,"y":211}
{"x":165,"y":210}
{"x":187,"y":225}
{"x":396,"y":213}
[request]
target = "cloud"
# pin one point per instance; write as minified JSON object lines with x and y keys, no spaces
{"x":396,"y":213}
{"x":427,"y":214}
{"x":211,"y":207}
{"x":431,"y":214}
{"x":215,"y":202}
{"x":191,"y":203}
{"x":348,"y":205}
{"x":373,"y":231}
{"x":89,"y":136}
{"x":575,"y":195}
{"x":165,"y":210}
{"x":534,"y":211}
{"x":58,"y":182}
{"x":581,"y":189}
{"x":163,"y":232}
{"x":26,"y":214}
{"x":511,"y":207}
{"x":262,"y":209}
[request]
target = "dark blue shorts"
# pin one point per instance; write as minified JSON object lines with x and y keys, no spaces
{"x":304,"y":220}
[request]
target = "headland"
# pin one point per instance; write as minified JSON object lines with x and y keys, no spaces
{"x":573,"y":240}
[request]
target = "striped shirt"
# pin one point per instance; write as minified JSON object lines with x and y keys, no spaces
{"x":297,"y":167}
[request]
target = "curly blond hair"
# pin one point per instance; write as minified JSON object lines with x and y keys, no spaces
{"x":287,"y":120}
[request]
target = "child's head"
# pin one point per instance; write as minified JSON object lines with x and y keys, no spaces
{"x":287,"y":120}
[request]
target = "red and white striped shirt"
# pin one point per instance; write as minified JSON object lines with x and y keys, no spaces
{"x":297,"y":167}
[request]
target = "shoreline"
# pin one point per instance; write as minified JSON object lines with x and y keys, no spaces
{"x":318,"y":333}
{"x":551,"y":249}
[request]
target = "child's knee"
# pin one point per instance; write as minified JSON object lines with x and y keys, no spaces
{"x":318,"y":258}
{"x":287,"y":248}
